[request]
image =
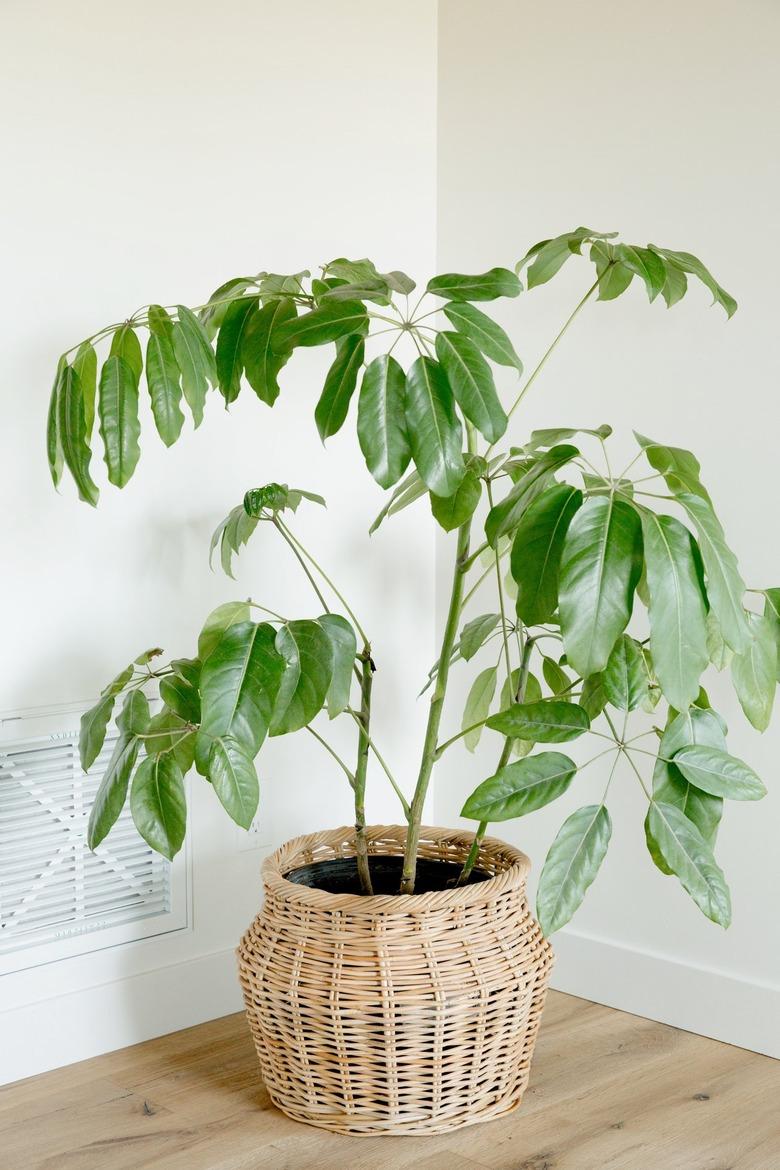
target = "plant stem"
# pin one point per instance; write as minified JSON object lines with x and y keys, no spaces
{"x":325,"y":578}
{"x":503,"y":760}
{"x":500,"y":587}
{"x":335,"y":755}
{"x":435,"y":711}
{"x":532,"y":377}
{"x":361,"y":768}
{"x":483,"y":577}
{"x":287,"y":536}
{"x":383,"y":765}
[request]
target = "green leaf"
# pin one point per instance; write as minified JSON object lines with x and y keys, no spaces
{"x":550,"y":436}
{"x":678,"y":630}
{"x":472,"y":383}
{"x":219,"y":620}
{"x":274,"y":285}
{"x":163,"y":377}
{"x":549,"y":256}
{"x":505,"y":516}
{"x":571,"y":865}
{"x":720,"y":653}
{"x":718,"y":773}
{"x":195,"y":358}
{"x":680,"y":468}
{"x":188,"y":669}
{"x":477,"y":707}
{"x":725,"y":586}
{"x":685,"y":262}
{"x":308,"y":669}
{"x":329,"y":322}
{"x":593,"y":697}
{"x":376,"y":290}
{"x":85,"y":365}
{"x":276,"y":497}
{"x":340,"y":382}
{"x":520,"y":788}
{"x":134,"y":719}
{"x":556,"y":678}
{"x":234,"y":778}
{"x":772,"y":614}
{"x":343,"y":644}
{"x":476,"y":632}
{"x":688,"y":855}
{"x":433,"y":427}
{"x":112,"y":793}
{"x":240,"y":680}
{"x":399,"y":282}
{"x":537,"y":550}
{"x":694,"y":726}
{"x":484,"y":332}
{"x":182,"y":697}
{"x":232,"y":534}
{"x":754,"y":672}
{"x":381,"y":422}
{"x":510,"y":691}
{"x":72,"y":434}
{"x":220,"y":301}
{"x":452,"y":511}
{"x":158,"y":804}
{"x":120,"y":681}
{"x":614,"y":277}
{"x":230,"y":344}
{"x":549,"y":259}
{"x":262,"y":363}
{"x":644,"y":263}
{"x":125,"y":344}
{"x":599,"y":572}
{"x":625,"y":678}
{"x":550,"y":721}
{"x":487,"y":286}
{"x":92,"y":731}
{"x":53,"y":443}
{"x":120,"y":428}
{"x":409,"y":490}
{"x":357,"y":273}
{"x":169,"y":733}
{"x":675,"y":285}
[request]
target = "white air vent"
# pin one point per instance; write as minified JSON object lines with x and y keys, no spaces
{"x":56,"y":897}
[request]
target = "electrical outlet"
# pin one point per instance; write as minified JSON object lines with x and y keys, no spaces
{"x":258,"y":835}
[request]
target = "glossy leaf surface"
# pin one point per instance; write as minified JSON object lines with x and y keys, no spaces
{"x":521,"y":788}
{"x":572,"y":865}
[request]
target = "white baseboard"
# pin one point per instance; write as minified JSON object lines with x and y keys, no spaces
{"x":695,"y":999}
{"x":75,"y":1026}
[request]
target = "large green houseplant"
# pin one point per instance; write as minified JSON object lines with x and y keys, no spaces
{"x":573,"y":546}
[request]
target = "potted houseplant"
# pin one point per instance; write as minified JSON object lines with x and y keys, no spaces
{"x":395,"y":977}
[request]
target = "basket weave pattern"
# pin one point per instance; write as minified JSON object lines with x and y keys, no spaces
{"x":395,"y":1014}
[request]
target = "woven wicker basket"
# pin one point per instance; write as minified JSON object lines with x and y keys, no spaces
{"x":395,"y":1014}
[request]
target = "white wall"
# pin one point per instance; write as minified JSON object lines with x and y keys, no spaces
{"x":149,"y":154}
{"x":659,"y":121}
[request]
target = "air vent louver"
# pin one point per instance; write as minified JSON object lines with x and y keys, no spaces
{"x":53,"y":890}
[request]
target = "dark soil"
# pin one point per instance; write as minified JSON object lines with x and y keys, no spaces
{"x":340,"y":876}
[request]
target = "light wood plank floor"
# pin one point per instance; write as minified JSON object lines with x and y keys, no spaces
{"x":609,"y":1091}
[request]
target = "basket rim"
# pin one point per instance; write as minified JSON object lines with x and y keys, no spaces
{"x":515,"y":868}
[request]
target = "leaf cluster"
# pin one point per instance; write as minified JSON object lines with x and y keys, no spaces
{"x":247,"y":681}
{"x":584,"y":560}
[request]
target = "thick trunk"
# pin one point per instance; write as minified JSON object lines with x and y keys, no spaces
{"x":435,"y":712}
{"x":361,"y":847}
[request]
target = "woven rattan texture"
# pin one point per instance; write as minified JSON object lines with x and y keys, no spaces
{"x":406,"y":1014}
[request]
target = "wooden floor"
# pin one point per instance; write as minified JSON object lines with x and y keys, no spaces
{"x":608,"y":1091}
